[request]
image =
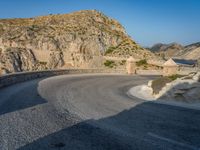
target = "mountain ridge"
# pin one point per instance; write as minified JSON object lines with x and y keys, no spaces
{"x":190,"y":51}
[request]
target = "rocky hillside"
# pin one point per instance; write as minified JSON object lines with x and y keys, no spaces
{"x":167,"y":50}
{"x":80,"y":39}
{"x":191,"y":51}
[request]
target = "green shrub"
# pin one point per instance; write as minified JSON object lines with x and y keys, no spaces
{"x":123,"y":62}
{"x":174,"y":77}
{"x":43,"y":63}
{"x":110,"y":50}
{"x":141,"y":62}
{"x":145,"y":67}
{"x":109,"y":63}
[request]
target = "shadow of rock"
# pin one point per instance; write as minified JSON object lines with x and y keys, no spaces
{"x":146,"y":126}
{"x":28,"y":98}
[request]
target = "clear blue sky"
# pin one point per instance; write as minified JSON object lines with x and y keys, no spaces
{"x":146,"y":21}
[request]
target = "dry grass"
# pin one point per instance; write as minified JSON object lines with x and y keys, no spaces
{"x":159,"y":83}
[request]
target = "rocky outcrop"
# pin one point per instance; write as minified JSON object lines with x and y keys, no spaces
{"x":185,"y":89}
{"x":17,"y":59}
{"x":76,"y":40}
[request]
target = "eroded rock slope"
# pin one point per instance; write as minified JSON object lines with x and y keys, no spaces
{"x":79,"y":39}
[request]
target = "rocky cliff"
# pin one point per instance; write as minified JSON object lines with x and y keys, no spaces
{"x":77,"y":40}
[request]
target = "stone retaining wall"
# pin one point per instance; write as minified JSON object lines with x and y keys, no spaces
{"x":10,"y":79}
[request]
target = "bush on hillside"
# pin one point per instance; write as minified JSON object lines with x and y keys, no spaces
{"x":109,"y":63}
{"x":110,"y":50}
{"x":175,"y":76}
{"x":123,"y":62}
{"x":141,"y":62}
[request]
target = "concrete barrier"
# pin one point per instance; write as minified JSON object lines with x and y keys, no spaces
{"x":13,"y":78}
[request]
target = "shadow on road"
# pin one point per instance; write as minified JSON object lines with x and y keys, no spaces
{"x":146,"y":126}
{"x":15,"y":102}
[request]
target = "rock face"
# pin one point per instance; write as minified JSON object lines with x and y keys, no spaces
{"x":185,"y":89}
{"x":18,"y":59}
{"x":78,"y":40}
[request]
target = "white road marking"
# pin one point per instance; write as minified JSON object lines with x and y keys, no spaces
{"x":173,"y":141}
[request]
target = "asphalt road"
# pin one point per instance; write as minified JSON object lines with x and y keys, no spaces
{"x":84,"y":112}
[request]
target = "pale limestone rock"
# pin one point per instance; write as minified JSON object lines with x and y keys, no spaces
{"x":196,"y":77}
{"x":149,"y":83}
{"x":80,"y":39}
{"x":17,"y":59}
{"x":56,"y":60}
{"x":186,"y":90}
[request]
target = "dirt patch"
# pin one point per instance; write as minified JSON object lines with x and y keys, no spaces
{"x":159,"y":83}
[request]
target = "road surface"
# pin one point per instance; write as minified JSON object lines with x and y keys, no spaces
{"x":85,"y":112}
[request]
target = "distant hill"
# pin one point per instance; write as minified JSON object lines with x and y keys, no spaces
{"x":76,"y":40}
{"x":191,"y":51}
{"x":167,"y":50}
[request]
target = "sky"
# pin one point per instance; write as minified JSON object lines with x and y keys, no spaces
{"x":147,"y":21}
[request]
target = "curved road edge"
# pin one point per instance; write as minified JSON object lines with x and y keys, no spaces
{"x":144,"y":93}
